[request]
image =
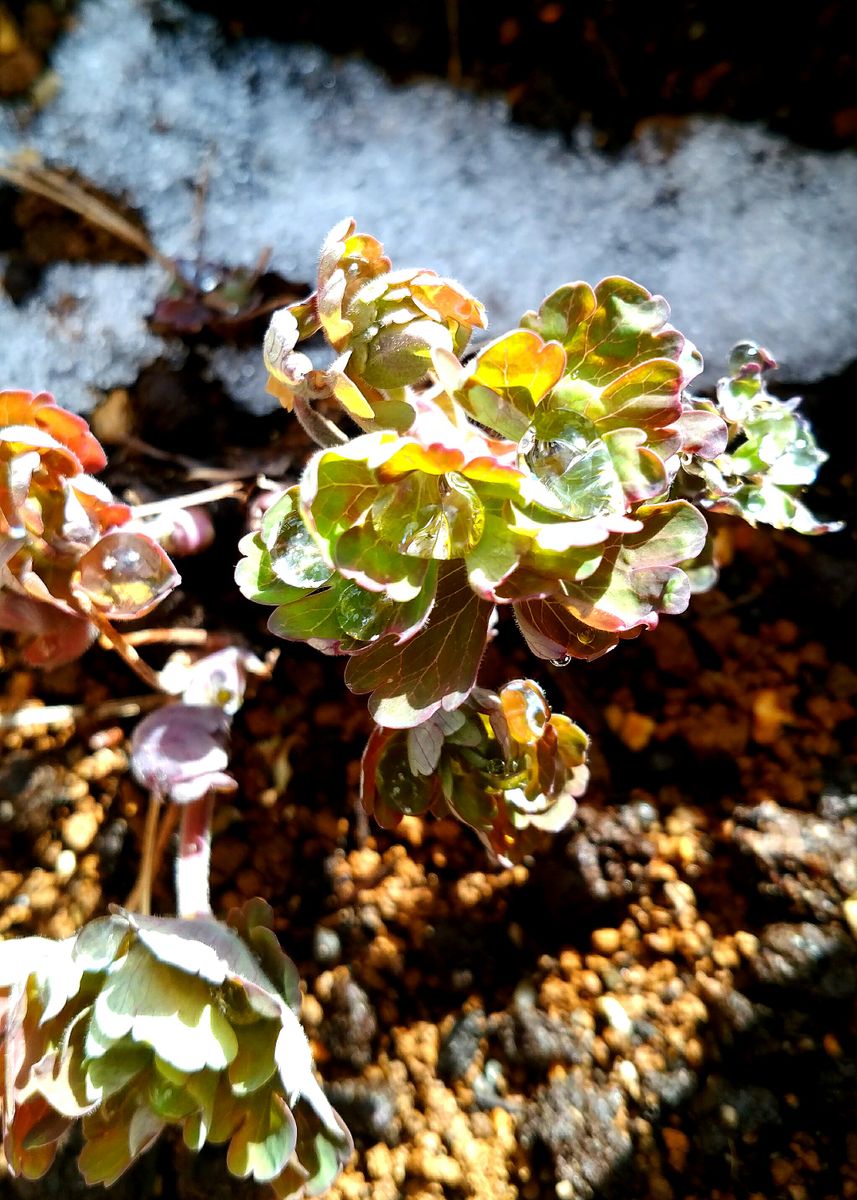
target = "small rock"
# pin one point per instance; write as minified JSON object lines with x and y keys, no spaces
{"x":615,"y":1015}
{"x":349,"y":1023}
{"x":606,"y":941}
{"x":460,"y":1046}
{"x":369,"y":1110}
{"x":79,"y":830}
{"x":807,"y":958}
{"x":326,"y":946}
{"x":66,"y":865}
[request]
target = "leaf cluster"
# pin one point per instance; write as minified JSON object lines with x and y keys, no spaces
{"x":771,"y":456}
{"x":68,"y":558}
{"x":138,"y":1023}
{"x":536,"y":475}
{"x":502,"y":763}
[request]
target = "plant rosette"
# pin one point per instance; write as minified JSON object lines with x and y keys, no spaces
{"x":137,"y":1023}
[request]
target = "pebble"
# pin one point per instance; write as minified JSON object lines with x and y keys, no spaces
{"x":615,"y":1015}
{"x":606,"y":941}
{"x":66,"y":865}
{"x":79,"y":830}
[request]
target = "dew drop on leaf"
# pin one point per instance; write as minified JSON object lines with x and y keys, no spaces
{"x":126,"y":574}
{"x":362,"y":614}
{"x":561,"y":662}
{"x":749,"y":353}
{"x":525,"y":709}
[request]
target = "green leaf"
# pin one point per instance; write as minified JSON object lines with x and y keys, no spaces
{"x":254,"y":1064}
{"x":552,"y":631}
{"x":565,"y":453}
{"x":429,"y":516}
{"x":641,"y":472}
{"x":201,"y":946}
{"x":322,"y":1158}
{"x":203,"y":1086}
{"x":294,"y":556}
{"x":255,"y":575}
{"x":397,"y":784}
{"x":768,"y":504}
{"x":424,"y":744}
{"x":114,"y":1138}
{"x":61,"y":1077}
{"x":435,"y":668}
{"x":648,"y":396}
{"x":401,"y":354}
{"x":174,"y":1013}
{"x":98,"y":943}
{"x":495,"y":556}
{"x":108,"y":1073}
{"x":313,"y":619}
{"x":508,"y":378}
{"x":264,"y":1142}
{"x":170,"y":1101}
{"x":339,"y":486}
{"x":363,"y":556}
{"x":565,"y":312}
{"x":638,"y":577}
{"x":607,"y":331}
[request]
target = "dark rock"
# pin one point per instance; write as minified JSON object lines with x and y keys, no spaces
{"x":368,"y":1110}
{"x":536,"y":1040}
{"x":580,"y":1126}
{"x":30,"y":789}
{"x":806,"y":958}
{"x":671,"y":1088}
{"x":724,"y":1111}
{"x":460,"y":1046}
{"x":803,"y":862}
{"x":349,"y":1024}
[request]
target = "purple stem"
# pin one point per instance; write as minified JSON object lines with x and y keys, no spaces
{"x":194,"y":858}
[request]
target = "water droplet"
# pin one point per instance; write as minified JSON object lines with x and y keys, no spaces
{"x":363,"y":614}
{"x":126,"y":574}
{"x":561,"y":662}
{"x":585,"y":636}
{"x":749,"y":354}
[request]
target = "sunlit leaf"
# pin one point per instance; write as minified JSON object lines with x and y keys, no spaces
{"x":293,"y":555}
{"x":147,"y":1001}
{"x":508,"y":378}
{"x":435,"y":668}
{"x":264,"y":1141}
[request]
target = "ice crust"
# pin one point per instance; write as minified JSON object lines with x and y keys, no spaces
{"x":746,"y":234}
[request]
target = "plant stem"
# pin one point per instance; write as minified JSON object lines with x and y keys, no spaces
{"x":141,"y":894}
{"x":127,"y":652}
{"x":194,"y":858}
{"x":55,"y":715}
{"x":323,"y":432}
{"x":217,"y":491}
{"x":116,"y":640}
{"x":53,"y":185}
{"x":176,"y":637}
